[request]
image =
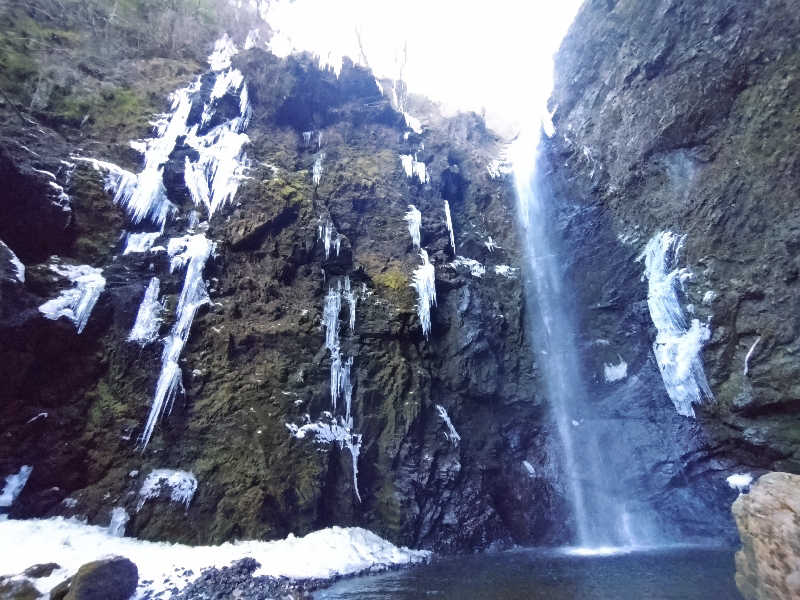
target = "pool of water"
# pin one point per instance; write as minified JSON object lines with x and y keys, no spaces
{"x":674,"y":574}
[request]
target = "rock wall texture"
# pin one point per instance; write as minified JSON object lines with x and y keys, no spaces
{"x":682,"y":116}
{"x":768,"y":518}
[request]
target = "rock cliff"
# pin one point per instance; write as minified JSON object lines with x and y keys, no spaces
{"x":679,"y":116}
{"x":452,"y":428}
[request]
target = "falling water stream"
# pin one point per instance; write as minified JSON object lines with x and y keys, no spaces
{"x":602,"y":521}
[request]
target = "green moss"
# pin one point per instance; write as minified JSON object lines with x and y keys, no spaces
{"x":394,"y":279}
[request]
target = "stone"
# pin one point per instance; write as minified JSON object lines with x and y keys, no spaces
{"x":108,"y":579}
{"x":42,"y":570}
{"x":18,"y":590}
{"x":768,"y":518}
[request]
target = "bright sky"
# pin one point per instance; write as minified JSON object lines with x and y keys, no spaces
{"x":467,"y":55}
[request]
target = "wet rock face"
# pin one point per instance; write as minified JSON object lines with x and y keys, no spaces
{"x":679,"y":117}
{"x":768,"y":519}
{"x":256,"y":360}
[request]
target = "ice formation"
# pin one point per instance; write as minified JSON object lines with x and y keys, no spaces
{"x":191,"y":250}
{"x":490,"y":244}
{"x":749,"y":354}
{"x":316,"y":173}
{"x":449,"y":223}
{"x":424,"y":282}
{"x":181,"y":485}
{"x":740,"y":481}
{"x":148,"y":319}
{"x":505,"y":271}
{"x":414,"y":168}
{"x":352,"y":299}
{"x":14,"y":484}
{"x":678,"y":343}
{"x":140,"y":242}
{"x":330,"y":238}
{"x":414,"y":219}
{"x":529,"y":468}
{"x":475,"y":268}
{"x":328,"y":553}
{"x":331,"y":428}
{"x":119,"y":520}
{"x":451,"y":434}
{"x":75,"y":303}
{"x":615,"y":372}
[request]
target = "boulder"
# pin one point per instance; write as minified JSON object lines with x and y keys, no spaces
{"x":41,"y":570}
{"x":109,"y":579}
{"x":768,"y":564}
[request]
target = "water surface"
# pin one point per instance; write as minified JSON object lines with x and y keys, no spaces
{"x":677,"y":574}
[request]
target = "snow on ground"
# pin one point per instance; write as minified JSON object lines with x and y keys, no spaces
{"x":70,"y":543}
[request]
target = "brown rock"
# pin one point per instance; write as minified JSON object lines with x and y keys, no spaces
{"x":768,"y":564}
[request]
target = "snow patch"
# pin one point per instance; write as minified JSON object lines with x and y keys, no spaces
{"x":740,"y":481}
{"x":615,"y":372}
{"x":324,"y":554}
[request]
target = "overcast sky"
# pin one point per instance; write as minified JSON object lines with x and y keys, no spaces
{"x":492,"y":54}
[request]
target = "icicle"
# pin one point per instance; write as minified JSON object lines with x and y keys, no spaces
{"x":414,"y":168}
{"x":350,"y":297}
{"x":77,"y":302}
{"x":449,"y":222}
{"x":490,"y":244}
{"x":424,"y":282}
{"x":326,"y":233}
{"x":307,"y":138}
{"x":414,"y":219}
{"x":194,"y":250}
{"x":678,"y":344}
{"x":148,"y":319}
{"x":749,"y":354}
{"x":317,"y":171}
{"x":330,"y":318}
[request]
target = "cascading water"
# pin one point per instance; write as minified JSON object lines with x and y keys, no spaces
{"x":599,"y":501}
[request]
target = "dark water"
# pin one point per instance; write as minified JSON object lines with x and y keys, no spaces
{"x":680,"y":574}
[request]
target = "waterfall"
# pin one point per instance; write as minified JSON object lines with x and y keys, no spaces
{"x":596,"y":498}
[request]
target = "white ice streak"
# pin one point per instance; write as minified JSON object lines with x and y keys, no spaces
{"x":181,"y":486}
{"x":348,"y":293}
{"x":414,"y":219}
{"x":749,"y":354}
{"x":14,"y":484}
{"x":327,"y":553}
{"x":424,"y":282}
{"x":475,"y":268}
{"x":451,"y":434}
{"x":490,"y":244}
{"x":119,"y":520}
{"x":678,"y":343}
{"x":140,"y":242}
{"x":740,"y":481}
{"x":449,"y":223}
{"x":414,"y":168}
{"x":615,"y":372}
{"x":148,"y":318}
{"x":193,"y":250}
{"x":75,"y":303}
